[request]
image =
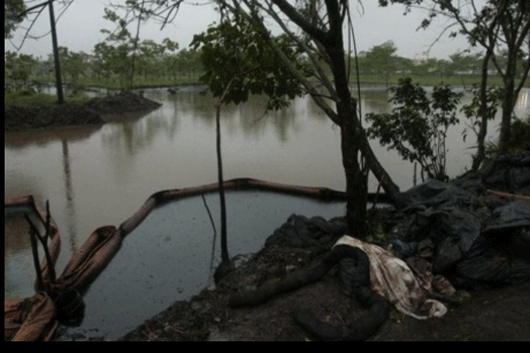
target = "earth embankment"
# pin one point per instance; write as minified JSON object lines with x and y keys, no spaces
{"x":93,"y":112}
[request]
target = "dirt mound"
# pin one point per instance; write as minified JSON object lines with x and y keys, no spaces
{"x":71,"y":114}
{"x":122,"y":102}
{"x":67,"y":114}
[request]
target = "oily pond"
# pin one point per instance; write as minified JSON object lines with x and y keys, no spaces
{"x":100,"y":175}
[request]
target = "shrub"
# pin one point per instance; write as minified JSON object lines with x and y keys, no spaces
{"x":417,"y":127}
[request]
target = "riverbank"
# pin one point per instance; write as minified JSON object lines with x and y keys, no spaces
{"x":488,"y":307}
{"x":481,"y":312}
{"x":94,"y":111}
{"x":487,"y":314}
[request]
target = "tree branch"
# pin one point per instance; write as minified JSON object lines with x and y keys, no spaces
{"x":314,"y":60}
{"x":254,"y":18}
{"x":301,"y":21}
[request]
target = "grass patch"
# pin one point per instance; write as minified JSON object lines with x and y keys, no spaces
{"x":462,"y":335}
{"x":115,"y":84}
{"x":429,"y":80}
{"x":31,"y":99}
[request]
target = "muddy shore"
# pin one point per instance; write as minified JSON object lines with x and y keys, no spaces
{"x":95,"y":111}
{"x":486,"y":314}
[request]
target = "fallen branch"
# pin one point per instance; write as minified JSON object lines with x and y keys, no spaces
{"x":509,"y":195}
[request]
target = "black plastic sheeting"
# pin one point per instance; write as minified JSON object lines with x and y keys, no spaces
{"x":473,"y":235}
{"x":301,"y":232}
{"x":468,"y":234}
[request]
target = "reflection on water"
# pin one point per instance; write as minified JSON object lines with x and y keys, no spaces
{"x":95,"y":176}
{"x":70,"y":204}
{"x":19,"y":268}
{"x":168,"y":256}
{"x":523,"y":102}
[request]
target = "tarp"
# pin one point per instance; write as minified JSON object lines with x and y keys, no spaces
{"x":301,"y":231}
{"x":470,"y":231}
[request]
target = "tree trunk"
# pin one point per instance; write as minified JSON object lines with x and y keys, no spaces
{"x":356,"y":181}
{"x":483,"y":112}
{"x":224,"y":241}
{"x":372,"y":163}
{"x":351,"y":137}
{"x":57,"y":64}
{"x":508,"y":103}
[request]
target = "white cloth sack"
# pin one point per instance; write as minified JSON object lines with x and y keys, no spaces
{"x":391,"y":277}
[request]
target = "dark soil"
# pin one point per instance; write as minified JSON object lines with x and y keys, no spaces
{"x":94,"y":112}
{"x":486,"y":313}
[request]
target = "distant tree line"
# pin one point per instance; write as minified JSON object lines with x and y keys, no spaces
{"x":381,"y":60}
{"x":108,"y":66}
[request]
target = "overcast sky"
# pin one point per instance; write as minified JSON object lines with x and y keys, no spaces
{"x":79,"y":29}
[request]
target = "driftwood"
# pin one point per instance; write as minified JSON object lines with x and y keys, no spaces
{"x":54,"y":236}
{"x":508,"y":195}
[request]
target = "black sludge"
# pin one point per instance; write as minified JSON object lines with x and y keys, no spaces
{"x":355,"y":276}
{"x":354,"y":272}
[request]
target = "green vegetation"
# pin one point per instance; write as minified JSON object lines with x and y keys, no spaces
{"x":29,"y":98}
{"x":380,"y":65}
{"x":235,"y":54}
{"x":467,"y":81}
{"x":158,"y":66}
{"x":520,"y":136}
{"x":12,"y":9}
{"x":417,"y":127}
{"x":500,"y":29}
{"x":518,"y":142}
{"x":102,"y":69}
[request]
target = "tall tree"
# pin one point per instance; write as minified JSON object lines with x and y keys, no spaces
{"x":18,"y":68}
{"x":12,"y":11}
{"x":315,"y":28}
{"x":121,"y":49}
{"x":238,"y":62}
{"x":381,"y":59}
{"x":73,"y":65}
{"x":321,"y":24}
{"x":494,"y":25}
